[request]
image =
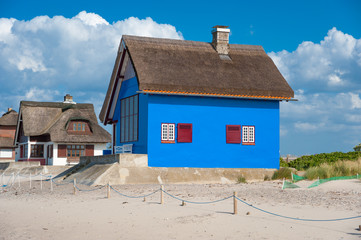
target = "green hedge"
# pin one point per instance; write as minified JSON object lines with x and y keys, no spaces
{"x":316,"y":160}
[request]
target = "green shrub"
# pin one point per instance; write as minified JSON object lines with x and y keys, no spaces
{"x":282,"y":173}
{"x":241,"y":179}
{"x":305,"y":162}
{"x":266,"y":178}
{"x":283,"y":163}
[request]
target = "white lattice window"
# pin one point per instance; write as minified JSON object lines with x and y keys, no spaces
{"x":248,"y":134}
{"x":168,"y":132}
{"x":251,"y":134}
{"x":164,"y":132}
{"x":245,"y":134}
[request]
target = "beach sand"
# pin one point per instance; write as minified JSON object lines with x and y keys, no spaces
{"x":41,"y":214}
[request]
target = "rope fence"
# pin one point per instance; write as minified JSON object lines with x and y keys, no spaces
{"x":128,"y":196}
{"x":235,"y":198}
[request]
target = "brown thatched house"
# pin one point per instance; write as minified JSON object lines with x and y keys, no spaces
{"x":58,"y":133}
{"x":7,"y":133}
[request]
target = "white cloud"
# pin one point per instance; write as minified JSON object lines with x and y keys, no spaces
{"x":5,"y":29}
{"x":321,"y":67}
{"x":326,"y":79}
{"x":45,"y":58}
{"x":91,"y":19}
{"x":306,"y":126}
{"x":46,"y":95}
{"x":355,"y":100}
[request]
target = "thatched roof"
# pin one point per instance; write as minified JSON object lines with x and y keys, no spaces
{"x":179,"y":66}
{"x":9,"y":118}
{"x":7,"y":142}
{"x":51,"y":118}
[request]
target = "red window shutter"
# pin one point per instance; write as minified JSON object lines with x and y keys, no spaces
{"x":233,"y":133}
{"x":184,"y":132}
{"x":21,"y":151}
{"x":61,"y":150}
{"x":89,"y":150}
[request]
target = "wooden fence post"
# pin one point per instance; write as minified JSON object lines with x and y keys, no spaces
{"x":235,"y":209}
{"x":74,"y":183}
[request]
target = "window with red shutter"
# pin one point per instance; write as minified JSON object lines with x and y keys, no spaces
{"x":21,"y":151}
{"x":233,"y":133}
{"x":61,"y":150}
{"x":89,"y":150}
{"x":184,"y":132}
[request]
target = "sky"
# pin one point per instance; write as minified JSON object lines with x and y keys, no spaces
{"x":51,"y":48}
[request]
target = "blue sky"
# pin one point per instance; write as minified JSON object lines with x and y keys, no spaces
{"x":49,"y":48}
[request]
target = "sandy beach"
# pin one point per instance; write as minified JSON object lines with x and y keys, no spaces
{"x":41,"y":214}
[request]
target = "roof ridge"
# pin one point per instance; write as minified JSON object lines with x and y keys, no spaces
{"x":182,"y":42}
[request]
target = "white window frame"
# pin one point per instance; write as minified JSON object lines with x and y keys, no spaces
{"x":248,"y":135}
{"x":168,"y":132}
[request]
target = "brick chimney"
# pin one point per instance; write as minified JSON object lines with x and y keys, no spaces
{"x":68,"y":99}
{"x":220,"y":39}
{"x":9,"y":109}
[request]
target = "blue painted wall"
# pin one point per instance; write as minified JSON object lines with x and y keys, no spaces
{"x":129,"y":88}
{"x":209,"y":117}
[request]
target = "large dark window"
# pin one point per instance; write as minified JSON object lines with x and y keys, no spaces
{"x":37,"y":150}
{"x":129,"y":119}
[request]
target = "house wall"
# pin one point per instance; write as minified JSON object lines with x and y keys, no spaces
{"x":61,"y":161}
{"x":209,"y":117}
{"x":8,"y":132}
{"x":129,"y":88}
{"x":7,"y":154}
{"x":57,"y":161}
{"x":28,"y":158}
{"x":98,"y":149}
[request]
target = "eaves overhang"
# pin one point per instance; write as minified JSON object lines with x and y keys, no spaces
{"x":217,"y":95}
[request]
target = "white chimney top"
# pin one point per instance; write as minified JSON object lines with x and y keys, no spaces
{"x":68,"y":99}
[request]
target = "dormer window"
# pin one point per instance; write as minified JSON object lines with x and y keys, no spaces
{"x":78,"y":126}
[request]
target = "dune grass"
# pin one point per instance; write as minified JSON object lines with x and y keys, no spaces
{"x":337,"y":169}
{"x":282,"y":173}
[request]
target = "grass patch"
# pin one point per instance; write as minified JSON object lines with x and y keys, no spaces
{"x":241,"y":179}
{"x":266,"y":178}
{"x":282,"y":173}
{"x":337,"y":169}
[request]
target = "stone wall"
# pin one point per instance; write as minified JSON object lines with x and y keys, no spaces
{"x":124,"y":160}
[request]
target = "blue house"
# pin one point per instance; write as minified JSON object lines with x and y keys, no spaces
{"x":196,"y":104}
